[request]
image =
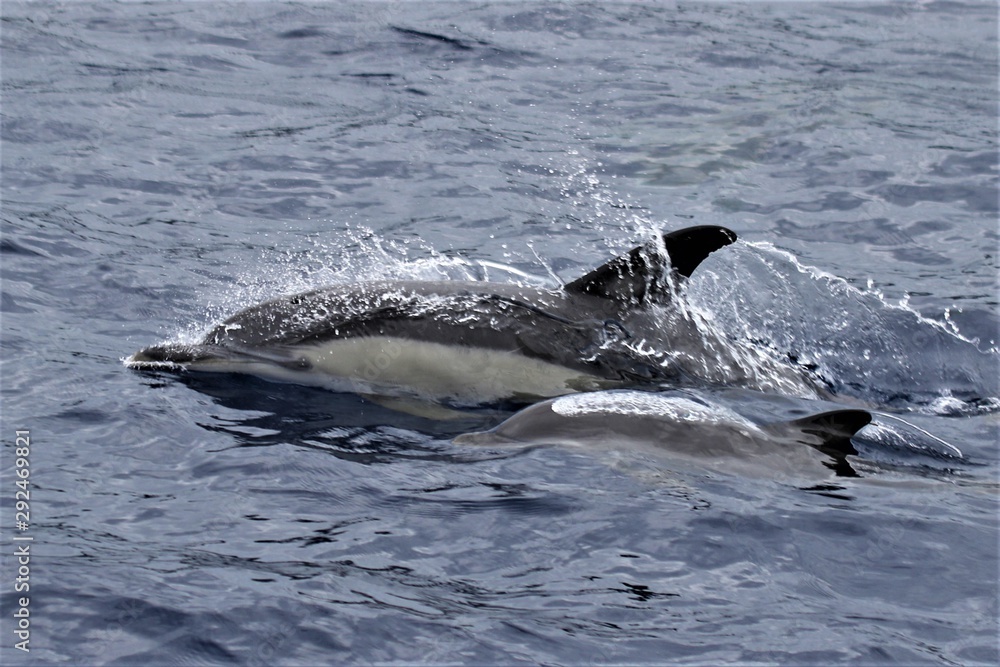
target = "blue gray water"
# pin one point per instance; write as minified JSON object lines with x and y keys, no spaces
{"x":167,"y":164}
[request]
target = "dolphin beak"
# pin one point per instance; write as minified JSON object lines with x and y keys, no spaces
{"x":168,"y":356}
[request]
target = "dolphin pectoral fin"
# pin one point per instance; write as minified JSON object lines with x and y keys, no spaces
{"x":479,"y":438}
{"x":641,"y":273}
{"x":488,"y":439}
{"x":416,"y":407}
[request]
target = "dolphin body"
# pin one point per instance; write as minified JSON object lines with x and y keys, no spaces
{"x":465,"y":343}
{"x":686,"y":431}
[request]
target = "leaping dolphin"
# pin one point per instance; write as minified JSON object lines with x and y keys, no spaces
{"x":464,"y":343}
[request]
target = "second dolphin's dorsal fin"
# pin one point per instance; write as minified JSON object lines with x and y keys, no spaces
{"x":641,"y":273}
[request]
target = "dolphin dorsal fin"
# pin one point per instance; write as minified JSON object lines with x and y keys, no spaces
{"x":835,"y":429}
{"x":641,"y":273}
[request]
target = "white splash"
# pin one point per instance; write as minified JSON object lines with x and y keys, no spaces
{"x":838,"y":284}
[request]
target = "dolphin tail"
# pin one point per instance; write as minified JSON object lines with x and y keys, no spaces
{"x":641,"y":274}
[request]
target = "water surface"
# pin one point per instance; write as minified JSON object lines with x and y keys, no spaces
{"x":165,"y":165}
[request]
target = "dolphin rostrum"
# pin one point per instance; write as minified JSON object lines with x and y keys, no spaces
{"x":685,"y":430}
{"x":464,"y":343}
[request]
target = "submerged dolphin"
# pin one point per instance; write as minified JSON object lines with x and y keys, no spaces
{"x":464,"y":342}
{"x":687,"y":431}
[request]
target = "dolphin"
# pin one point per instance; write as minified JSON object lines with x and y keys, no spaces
{"x":465,"y":343}
{"x":686,"y":430}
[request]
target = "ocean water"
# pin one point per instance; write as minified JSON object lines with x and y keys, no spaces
{"x":166,"y":164}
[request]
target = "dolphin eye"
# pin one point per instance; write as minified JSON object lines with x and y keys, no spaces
{"x":614,"y":329}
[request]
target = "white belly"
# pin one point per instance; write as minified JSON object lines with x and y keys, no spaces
{"x":405,"y":367}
